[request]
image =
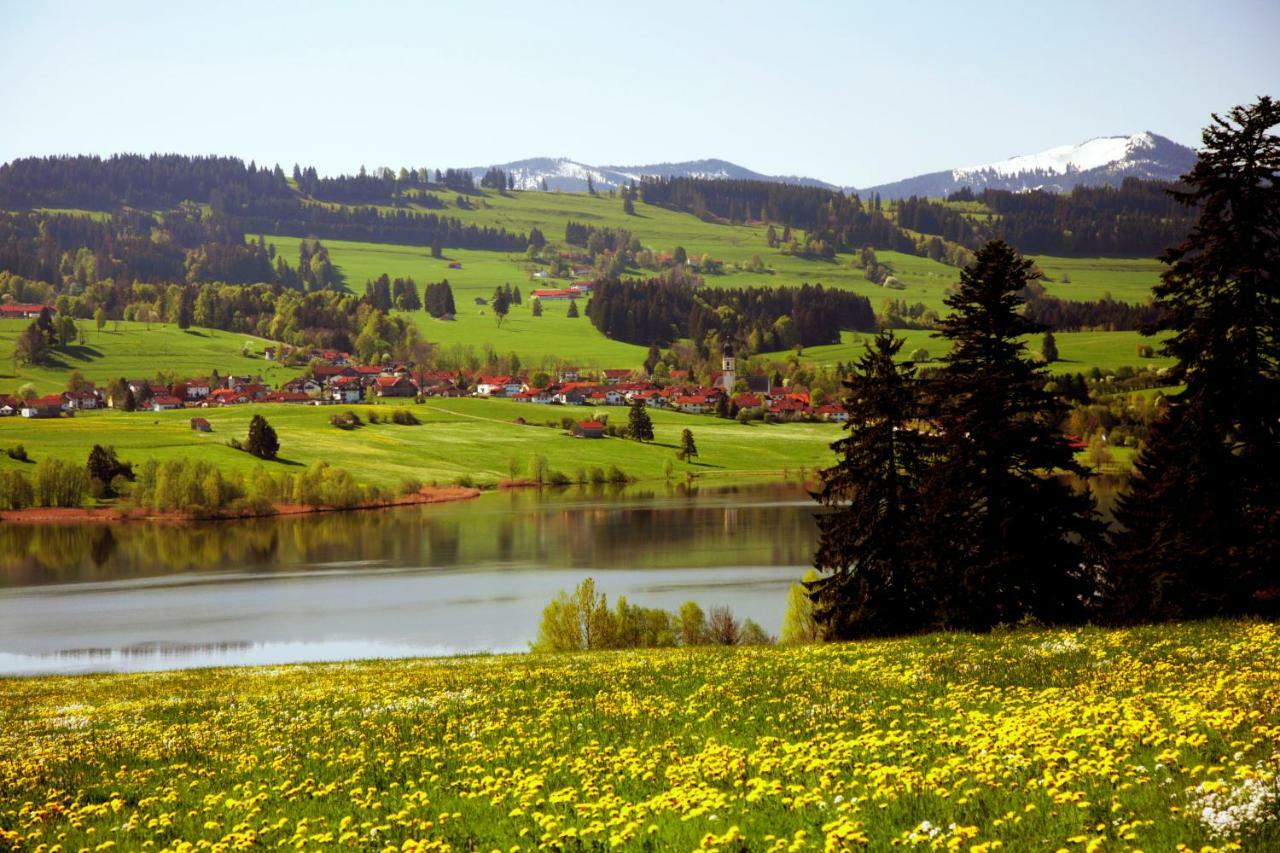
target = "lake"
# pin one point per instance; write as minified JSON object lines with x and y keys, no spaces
{"x":456,"y":578}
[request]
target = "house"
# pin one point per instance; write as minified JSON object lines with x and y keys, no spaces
{"x":395,"y":386}
{"x":589,"y":429}
{"x":832,"y":412}
{"x":269,"y":353}
{"x":346,"y":389}
{"x":555,"y":293}
{"x":498,"y":386}
{"x":569,"y":374}
{"x":748,"y":401}
{"x":789,"y":408}
{"x":287,"y":397}
{"x":613,"y":377}
{"x":656,"y":398}
{"x":327,"y":374}
{"x":22,"y":311}
{"x":48,"y":406}
{"x":575,"y":393}
{"x":224,"y":397}
{"x":302,"y":385}
{"x":542,"y":274}
{"x":455,"y":265}
{"x":81,"y":400}
{"x":694,"y":404}
{"x":164,"y":402}
{"x":198,"y":389}
{"x":201,"y":425}
{"x":9,"y":405}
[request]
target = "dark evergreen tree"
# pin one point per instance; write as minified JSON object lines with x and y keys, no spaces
{"x":639,"y":424}
{"x":1013,"y":539}
{"x":1049,"y":348}
{"x":688,"y":448}
{"x":262,"y":441}
{"x":501,"y":304}
{"x":652,"y":358}
{"x":877,"y":577}
{"x":536,"y":310}
{"x":1201,"y":524}
{"x":573,"y":308}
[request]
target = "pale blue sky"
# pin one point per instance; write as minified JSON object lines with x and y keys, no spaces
{"x":852,"y":92}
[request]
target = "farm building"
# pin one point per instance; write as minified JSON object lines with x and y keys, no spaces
{"x":589,"y":429}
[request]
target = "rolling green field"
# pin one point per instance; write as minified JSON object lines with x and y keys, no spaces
{"x":134,"y":351}
{"x":1142,"y":739}
{"x":1078,"y":351}
{"x":458,"y":437}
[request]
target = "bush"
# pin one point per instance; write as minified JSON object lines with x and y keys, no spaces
{"x":410,"y":487}
{"x":18,"y":453}
{"x":60,"y":484}
{"x":617,"y":475}
{"x":558,"y":478}
{"x":347,"y":420}
{"x":15,"y":490}
{"x":920,"y":354}
{"x":465,"y":482}
{"x":597,"y":476}
{"x":404,"y":417}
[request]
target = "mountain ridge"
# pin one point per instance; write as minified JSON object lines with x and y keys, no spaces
{"x":1102,"y":160}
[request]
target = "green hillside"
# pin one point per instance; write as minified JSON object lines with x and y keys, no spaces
{"x":458,"y":437}
{"x":136,"y":350}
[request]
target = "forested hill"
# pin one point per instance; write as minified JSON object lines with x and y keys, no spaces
{"x":1137,"y":219}
{"x":248,"y":199}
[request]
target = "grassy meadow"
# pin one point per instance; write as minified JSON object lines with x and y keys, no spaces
{"x":1161,"y":738}
{"x":136,"y":351}
{"x":457,"y":437}
{"x":555,"y":336}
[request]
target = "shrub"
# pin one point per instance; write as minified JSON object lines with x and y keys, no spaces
{"x":347,"y":420}
{"x":410,"y":487}
{"x":617,"y":475}
{"x":60,"y":484}
{"x":920,"y":354}
{"x":18,"y":453}
{"x":558,"y":478}
{"x":404,"y":417}
{"x":465,"y":481}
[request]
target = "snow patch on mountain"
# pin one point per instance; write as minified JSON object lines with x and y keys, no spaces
{"x":1093,"y":154}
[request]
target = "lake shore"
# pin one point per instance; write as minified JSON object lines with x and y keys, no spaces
{"x":113,"y":515}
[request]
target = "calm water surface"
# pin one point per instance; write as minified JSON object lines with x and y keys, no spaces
{"x":453,"y":578}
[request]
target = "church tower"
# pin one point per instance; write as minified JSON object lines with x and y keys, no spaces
{"x":728,"y":369}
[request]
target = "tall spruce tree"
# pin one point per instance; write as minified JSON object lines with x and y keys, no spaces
{"x":875,"y":576}
{"x":639,"y":424}
{"x":1201,"y":525}
{"x":1013,"y":539}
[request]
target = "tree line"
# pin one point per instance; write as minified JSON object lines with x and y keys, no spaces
{"x":943,"y":511}
{"x":660,"y":311}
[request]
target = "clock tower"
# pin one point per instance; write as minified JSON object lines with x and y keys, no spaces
{"x":728,"y":369}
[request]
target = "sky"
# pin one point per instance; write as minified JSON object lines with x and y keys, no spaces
{"x":855,"y":93}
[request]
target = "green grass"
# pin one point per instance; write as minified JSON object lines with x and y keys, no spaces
{"x":458,"y":437}
{"x":134,"y":351}
{"x":1037,"y":740}
{"x":1124,"y":279}
{"x":1078,"y":352}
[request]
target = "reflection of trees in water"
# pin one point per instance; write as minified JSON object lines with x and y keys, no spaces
{"x":580,"y":527}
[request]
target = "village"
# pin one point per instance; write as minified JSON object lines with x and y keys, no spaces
{"x":333,"y":378}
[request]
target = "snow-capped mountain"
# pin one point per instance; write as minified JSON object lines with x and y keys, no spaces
{"x":1104,"y":160}
{"x":561,"y":173}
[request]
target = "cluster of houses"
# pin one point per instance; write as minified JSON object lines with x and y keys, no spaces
{"x":335,"y":379}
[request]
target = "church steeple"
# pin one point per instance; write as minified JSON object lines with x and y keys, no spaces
{"x":728,"y":369}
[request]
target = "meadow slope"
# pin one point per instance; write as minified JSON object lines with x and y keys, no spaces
{"x":1143,"y":739}
{"x":457,"y":438}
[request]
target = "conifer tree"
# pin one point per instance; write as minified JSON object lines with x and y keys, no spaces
{"x":869,"y":550}
{"x":688,"y":448}
{"x":1049,"y":348}
{"x":262,"y":440}
{"x":1012,"y":537}
{"x":1201,"y":524}
{"x":573,"y":308}
{"x":639,"y":424}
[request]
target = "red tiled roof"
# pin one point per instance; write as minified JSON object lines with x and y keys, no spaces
{"x":591,"y":424}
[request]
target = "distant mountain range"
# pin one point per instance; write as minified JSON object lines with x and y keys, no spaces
{"x":1103,"y":160}
{"x":561,"y":173}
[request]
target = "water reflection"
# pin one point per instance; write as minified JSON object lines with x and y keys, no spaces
{"x":463,"y":577}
